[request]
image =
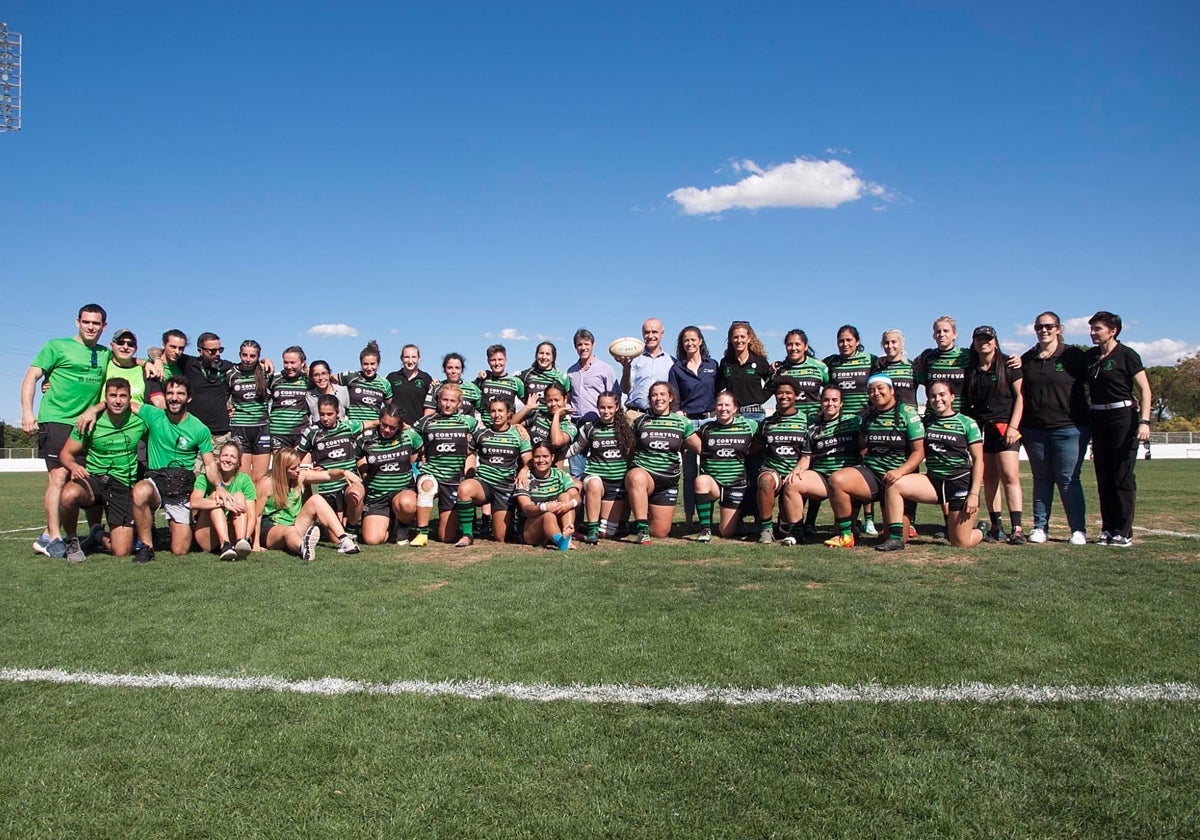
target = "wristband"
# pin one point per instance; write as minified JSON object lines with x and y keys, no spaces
{"x":542,"y":507}
{"x":1143,"y":422}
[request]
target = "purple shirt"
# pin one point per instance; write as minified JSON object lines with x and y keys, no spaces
{"x":587,"y":384}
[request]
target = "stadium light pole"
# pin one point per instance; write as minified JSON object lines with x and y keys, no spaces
{"x":10,"y":79}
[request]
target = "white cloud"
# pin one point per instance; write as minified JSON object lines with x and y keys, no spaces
{"x":332,"y":331}
{"x":800,"y":183}
{"x":1163,"y":351}
{"x":507,"y":334}
{"x":709,"y":327}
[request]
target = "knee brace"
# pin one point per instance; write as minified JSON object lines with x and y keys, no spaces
{"x":425,"y":497}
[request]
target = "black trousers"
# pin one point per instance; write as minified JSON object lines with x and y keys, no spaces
{"x":1114,"y":454}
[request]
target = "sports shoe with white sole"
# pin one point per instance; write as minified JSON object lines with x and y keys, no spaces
{"x":242,"y":548}
{"x":1078,"y":538}
{"x":1105,"y":538}
{"x":705,"y":535}
{"x":869,"y":529}
{"x":765,"y":537}
{"x":1118,"y":541}
{"x":228,"y":552}
{"x":1037,"y":536}
{"x":308,"y":543}
{"x":42,"y":545}
{"x":347,"y":545}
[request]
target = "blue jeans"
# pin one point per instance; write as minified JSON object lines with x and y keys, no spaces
{"x":1055,"y":457}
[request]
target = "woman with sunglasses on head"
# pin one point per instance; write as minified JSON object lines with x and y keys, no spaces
{"x":322,"y":381}
{"x":248,"y":396}
{"x":1055,"y":426}
{"x":1119,"y":390}
{"x":992,"y":397}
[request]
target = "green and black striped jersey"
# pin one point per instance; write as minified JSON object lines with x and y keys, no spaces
{"x":248,"y":399}
{"x":289,"y":404}
{"x":470,"y":398}
{"x":537,"y":381}
{"x":851,"y":375}
{"x":547,"y":488}
{"x":539,"y":424}
{"x":903,"y":379}
{"x":659,"y":438}
{"x":448,"y":442}
{"x":810,"y":375}
{"x":498,"y":455}
{"x":597,"y":442}
{"x":781,"y":437}
{"x":832,"y":444}
{"x":507,"y":387}
{"x":367,"y":395}
{"x":723,"y":450}
{"x":386,"y":464}
{"x":948,"y":445}
{"x":334,"y":448}
{"x":949,"y":366}
{"x":888,"y":436}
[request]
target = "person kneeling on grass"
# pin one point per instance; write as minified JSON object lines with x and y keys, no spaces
{"x":954,"y":466}
{"x":500,"y":450}
{"x":223,"y":521}
{"x":892,"y":442}
{"x":652,"y":483}
{"x":385,"y":461}
{"x":547,"y":501}
{"x":724,"y":444}
{"x":288,"y":521}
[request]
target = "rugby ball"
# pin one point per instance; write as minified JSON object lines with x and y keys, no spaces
{"x":626,"y":348}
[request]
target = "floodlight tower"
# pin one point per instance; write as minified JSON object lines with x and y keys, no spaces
{"x":10,"y":79}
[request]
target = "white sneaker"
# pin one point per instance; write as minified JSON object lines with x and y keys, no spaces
{"x":869,"y":528}
{"x":1038,"y":535}
{"x":1078,"y":538}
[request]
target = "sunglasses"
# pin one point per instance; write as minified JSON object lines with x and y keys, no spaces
{"x":216,"y":351}
{"x":1040,"y":327}
{"x":125,"y":342}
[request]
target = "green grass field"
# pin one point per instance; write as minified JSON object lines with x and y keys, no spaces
{"x":85,"y":761}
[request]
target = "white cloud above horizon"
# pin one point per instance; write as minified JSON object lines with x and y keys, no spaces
{"x":332,"y":331}
{"x":799,"y":183}
{"x":1163,"y":351}
{"x":507,"y":334}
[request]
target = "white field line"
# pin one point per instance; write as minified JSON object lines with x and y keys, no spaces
{"x":24,"y":530}
{"x":680,"y":695}
{"x":1163,"y":533}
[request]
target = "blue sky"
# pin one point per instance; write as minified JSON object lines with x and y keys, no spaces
{"x":449,"y":173}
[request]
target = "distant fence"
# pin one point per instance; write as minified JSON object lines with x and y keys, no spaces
{"x":1190,"y":438}
{"x":19,"y":452}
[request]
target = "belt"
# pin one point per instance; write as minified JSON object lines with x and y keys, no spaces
{"x":1111,"y":406}
{"x":704,"y":415}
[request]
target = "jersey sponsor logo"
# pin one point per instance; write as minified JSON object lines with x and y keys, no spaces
{"x":726,"y":453}
{"x":445,"y":447}
{"x":658,"y":444}
{"x":785,"y":451}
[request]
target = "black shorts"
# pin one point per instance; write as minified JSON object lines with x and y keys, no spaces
{"x":116,"y":499}
{"x":336,"y":499}
{"x":828,"y":484}
{"x":665,"y":492}
{"x":874,"y":482}
{"x":994,"y":441}
{"x":498,"y":496}
{"x":265,"y":524}
{"x":381,"y":506}
{"x":731,"y":498}
{"x":448,"y":495}
{"x":288,"y":441}
{"x":952,"y":491}
{"x":614,"y":491}
{"x":254,"y":440}
{"x":51,"y":438}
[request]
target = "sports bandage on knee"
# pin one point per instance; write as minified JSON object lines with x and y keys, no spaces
{"x":425,"y":497}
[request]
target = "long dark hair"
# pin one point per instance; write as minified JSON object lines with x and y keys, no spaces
{"x":626,"y":439}
{"x":680,"y":353}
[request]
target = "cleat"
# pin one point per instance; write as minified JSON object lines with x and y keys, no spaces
{"x":1017,"y":538}
{"x":788,"y":541}
{"x":1118,"y":541}
{"x":419,"y":541}
{"x":840,"y":541}
{"x":347,"y":545}
{"x":308,"y":543}
{"x":591,"y":539}
{"x":42,"y":545}
{"x":705,"y":535}
{"x":144,"y":554}
{"x":991,"y":536}
{"x":1105,"y":538}
{"x":642,"y":538}
{"x":1078,"y":538}
{"x":765,"y":537}
{"x":94,"y":541}
{"x":74,"y":552}
{"x":242,"y":548}
{"x":869,"y":529}
{"x":912,"y":532}
{"x":228,"y":552}
{"x":890,"y":544}
{"x":939,"y":535}
{"x":809,"y":532}
{"x":465,"y":542}
{"x":1038,"y":536}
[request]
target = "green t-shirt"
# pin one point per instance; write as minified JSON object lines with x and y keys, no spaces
{"x":241,"y":484}
{"x":174,"y":444}
{"x":285,"y":515}
{"x":75,"y":373}
{"x":111,"y":448}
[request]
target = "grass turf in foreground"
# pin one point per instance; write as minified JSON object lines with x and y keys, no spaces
{"x":106,"y":762}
